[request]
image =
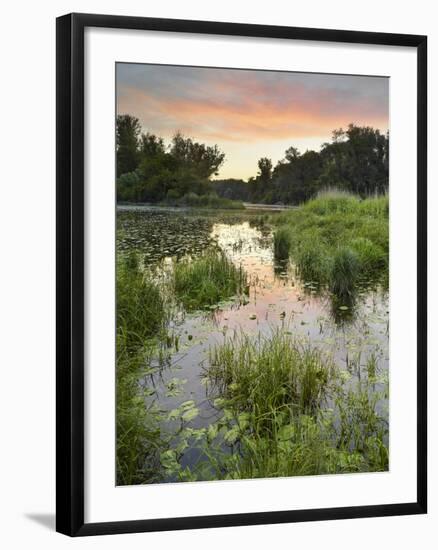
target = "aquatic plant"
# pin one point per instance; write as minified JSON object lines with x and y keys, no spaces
{"x":344,"y":273}
{"x":270,"y":373}
{"x":206,"y":280}
{"x":272,"y":392}
{"x":283,"y":407}
{"x":282,"y":244}
{"x":141,"y":311}
{"x":325,"y":227}
{"x":141,"y":315}
{"x":312,"y":262}
{"x":139,"y":440}
{"x":332,"y":201}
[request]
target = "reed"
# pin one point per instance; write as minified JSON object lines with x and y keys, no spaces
{"x":207,"y":280}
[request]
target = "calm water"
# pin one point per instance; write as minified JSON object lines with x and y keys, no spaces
{"x":278,"y":298}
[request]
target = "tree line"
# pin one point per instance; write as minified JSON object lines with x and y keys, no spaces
{"x":150,"y":171}
{"x":356,"y":160}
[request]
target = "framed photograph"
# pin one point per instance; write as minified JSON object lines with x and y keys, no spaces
{"x":241,"y":274}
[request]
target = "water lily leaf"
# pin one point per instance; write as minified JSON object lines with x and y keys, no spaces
{"x":199,"y":433}
{"x":169,"y":461}
{"x":182,"y":446}
{"x":231,"y":435}
{"x":190,"y":414}
{"x":173,"y":414}
{"x":212,"y":432}
{"x":243,"y":420}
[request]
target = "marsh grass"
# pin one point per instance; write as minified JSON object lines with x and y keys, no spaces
{"x":344,"y":273}
{"x":141,"y":309}
{"x":273,"y":393}
{"x":206,"y":280}
{"x":337,"y":239}
{"x":266,"y":374}
{"x":141,"y":316}
{"x":139,"y":438}
{"x":282,"y":244}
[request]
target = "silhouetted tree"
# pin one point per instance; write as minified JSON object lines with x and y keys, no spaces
{"x":127,"y":133}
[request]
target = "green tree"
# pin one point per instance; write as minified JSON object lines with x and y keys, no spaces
{"x":265,"y":169}
{"x":357,"y":160}
{"x":127,"y":134}
{"x":202,"y":159}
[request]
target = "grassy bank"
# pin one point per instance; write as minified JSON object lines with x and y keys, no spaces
{"x":141,"y":309}
{"x":141,"y":315}
{"x":336,"y":239}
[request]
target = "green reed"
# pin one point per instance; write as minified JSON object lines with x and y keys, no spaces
{"x":207,"y":280}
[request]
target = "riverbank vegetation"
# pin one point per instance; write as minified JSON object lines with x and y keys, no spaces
{"x":148,"y":170}
{"x":212,"y":200}
{"x":356,"y":160}
{"x":336,"y":239}
{"x":180,"y":173}
{"x":141,"y":316}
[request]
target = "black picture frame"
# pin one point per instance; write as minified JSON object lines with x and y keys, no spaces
{"x":70,"y":273}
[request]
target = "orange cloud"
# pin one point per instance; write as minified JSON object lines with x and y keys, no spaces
{"x":255,"y":120}
{"x":249,"y":114}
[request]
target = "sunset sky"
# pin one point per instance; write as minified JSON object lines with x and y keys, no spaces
{"x":249,"y":114}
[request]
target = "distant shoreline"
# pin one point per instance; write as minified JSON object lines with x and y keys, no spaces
{"x":247,"y":206}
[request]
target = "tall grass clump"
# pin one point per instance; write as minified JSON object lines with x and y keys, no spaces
{"x":141,"y":310}
{"x":372,"y":257}
{"x":139,"y":440}
{"x":282,"y":244}
{"x":274,"y":393}
{"x":205,"y":281}
{"x":141,"y":316}
{"x":265,"y":375}
{"x":332,"y":201}
{"x":312,"y":262}
{"x":339,"y":239}
{"x":344,"y":274}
